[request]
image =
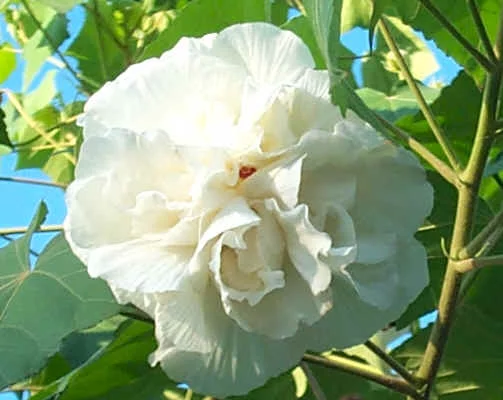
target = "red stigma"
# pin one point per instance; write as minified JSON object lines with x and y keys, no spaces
{"x":246,"y":171}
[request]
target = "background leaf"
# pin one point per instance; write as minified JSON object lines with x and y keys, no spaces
{"x":456,"y":12}
{"x":4,"y":136}
{"x":30,"y":298}
{"x":7,"y":61}
{"x":200,"y":17}
{"x":473,"y":361}
{"x":325,"y":17}
{"x":61,"y":6}
{"x":121,"y":371}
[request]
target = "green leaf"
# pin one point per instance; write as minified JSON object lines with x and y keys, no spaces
{"x":28,"y":158}
{"x":456,"y":12}
{"x":364,"y":13}
{"x":418,"y":56}
{"x":355,"y":13}
{"x":302,"y":27}
{"x":376,"y":76}
{"x":401,"y":103}
{"x":325,"y":17}
{"x":122,"y":371}
{"x":201,"y":17}
{"x":42,"y":95}
{"x":279,"y":12}
{"x":53,"y":151}
{"x":280,"y":387}
{"x":495,"y":166}
{"x":31,"y":298}
{"x":79,"y":347}
{"x":100,"y":47}
{"x":473,"y":360}
{"x":61,"y":6}
{"x":4,"y":135}
{"x":7,"y":61}
{"x":456,"y":109}
{"x":38,"y":49}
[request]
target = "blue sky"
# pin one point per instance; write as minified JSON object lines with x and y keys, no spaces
{"x":19,"y":201}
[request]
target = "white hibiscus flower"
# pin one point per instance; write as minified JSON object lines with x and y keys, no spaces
{"x":219,"y":190}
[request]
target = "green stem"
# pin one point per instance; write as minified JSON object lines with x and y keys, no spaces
{"x":441,"y":167}
{"x":24,"y":229}
{"x":472,"y":264}
{"x":423,"y":105}
{"x":313,"y":382}
{"x":367,"y":372}
{"x":31,"y":181}
{"x":464,"y":221}
{"x":479,"y":241}
{"x":481,"y":59}
{"x":479,"y":24}
{"x":392,"y":363}
{"x":49,"y":40}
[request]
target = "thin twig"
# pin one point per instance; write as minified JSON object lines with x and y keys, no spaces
{"x":131,"y":311}
{"x":441,"y":167}
{"x":313,"y":382}
{"x":477,"y":243}
{"x":394,"y":364}
{"x":479,"y":24}
{"x":48,"y":37}
{"x":31,"y":181}
{"x":298,"y":4}
{"x":32,"y":123}
{"x":423,"y":105}
{"x":66,"y":146}
{"x":481,"y":59}
{"x":365,"y":371}
{"x":24,"y":229}
{"x":472,"y":264}
{"x":65,"y":122}
{"x":9,"y":239}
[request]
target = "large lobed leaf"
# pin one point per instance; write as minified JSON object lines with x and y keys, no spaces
{"x":40,"y":306}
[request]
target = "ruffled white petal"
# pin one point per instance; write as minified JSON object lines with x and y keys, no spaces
{"x":352,"y":320}
{"x":270,"y":56}
{"x":238,"y":361}
{"x":306,"y":246}
{"x":390,"y":170}
{"x":141,"y":265}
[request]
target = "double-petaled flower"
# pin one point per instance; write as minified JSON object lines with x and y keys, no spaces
{"x":220,"y":191}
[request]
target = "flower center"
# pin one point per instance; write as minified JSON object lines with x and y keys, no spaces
{"x":246,"y":171}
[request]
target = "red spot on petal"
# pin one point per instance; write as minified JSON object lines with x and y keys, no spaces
{"x":245,"y":171}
